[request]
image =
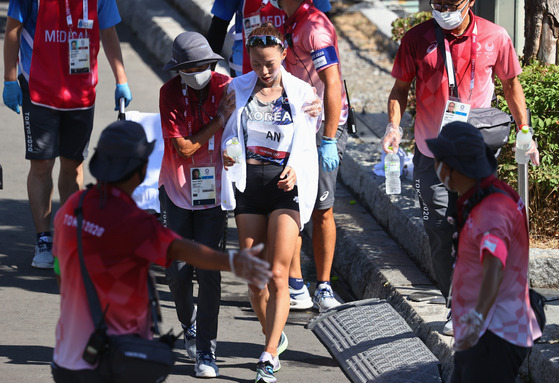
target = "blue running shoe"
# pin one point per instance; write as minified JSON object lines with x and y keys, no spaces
{"x":265,"y":372}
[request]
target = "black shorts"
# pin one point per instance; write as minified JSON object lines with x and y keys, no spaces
{"x":262,"y":195}
{"x":50,"y":133}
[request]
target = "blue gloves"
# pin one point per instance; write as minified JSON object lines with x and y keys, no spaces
{"x":12,"y":95}
{"x":328,"y":154}
{"x":122,"y":91}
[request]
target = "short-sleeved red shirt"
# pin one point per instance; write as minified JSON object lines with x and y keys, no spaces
{"x":120,"y":241}
{"x":419,"y":57}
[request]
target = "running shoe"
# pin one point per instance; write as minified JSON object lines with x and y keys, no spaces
{"x":205,"y":366}
{"x":43,"y":258}
{"x":265,"y":372}
{"x":282,"y":346}
{"x":324,"y":298}
{"x":299,"y":299}
{"x":448,"y":328}
{"x":190,"y":341}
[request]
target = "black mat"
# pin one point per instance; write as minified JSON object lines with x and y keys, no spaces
{"x":373,"y":343}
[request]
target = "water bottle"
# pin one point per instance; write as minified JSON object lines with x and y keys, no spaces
{"x":234,"y":151}
{"x":523,"y":143}
{"x":392,"y":173}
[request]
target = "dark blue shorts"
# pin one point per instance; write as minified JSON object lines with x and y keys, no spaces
{"x":50,"y":133}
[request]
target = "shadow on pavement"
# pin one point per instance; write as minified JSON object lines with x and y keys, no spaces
{"x":18,"y":354}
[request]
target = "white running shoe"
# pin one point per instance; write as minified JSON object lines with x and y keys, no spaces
{"x":43,"y":258}
{"x":299,"y":299}
{"x":324,"y":298}
{"x":205,"y":366}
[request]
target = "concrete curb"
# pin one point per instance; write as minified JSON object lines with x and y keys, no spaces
{"x":371,"y":272}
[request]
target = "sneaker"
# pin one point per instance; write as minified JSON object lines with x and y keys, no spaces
{"x":265,"y":372}
{"x":299,"y":299}
{"x":190,"y":341}
{"x":43,"y":258}
{"x":205,"y":366}
{"x":448,"y":328}
{"x":282,"y":346}
{"x":324,"y":298}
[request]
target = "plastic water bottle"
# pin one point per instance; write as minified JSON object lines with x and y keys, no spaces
{"x":234,"y":151}
{"x":392,"y":173}
{"x":523,"y":142}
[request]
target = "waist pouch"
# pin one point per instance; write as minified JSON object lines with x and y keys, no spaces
{"x":132,"y":359}
{"x":494,"y":125}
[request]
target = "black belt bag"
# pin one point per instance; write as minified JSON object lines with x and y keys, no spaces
{"x":494,"y":125}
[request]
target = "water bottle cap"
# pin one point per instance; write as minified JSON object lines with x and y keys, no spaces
{"x":234,"y":140}
{"x":525,"y":129}
{"x":390,"y":147}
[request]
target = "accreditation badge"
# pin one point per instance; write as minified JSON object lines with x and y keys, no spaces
{"x":79,"y":55}
{"x":455,"y":111}
{"x":251,"y":22}
{"x":202,"y":185}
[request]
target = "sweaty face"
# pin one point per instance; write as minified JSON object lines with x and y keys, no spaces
{"x":266,"y":62}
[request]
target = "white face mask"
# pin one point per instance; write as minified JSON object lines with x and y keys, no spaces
{"x":275,"y":3}
{"x":197,"y":80}
{"x":449,"y":20}
{"x":447,"y":178}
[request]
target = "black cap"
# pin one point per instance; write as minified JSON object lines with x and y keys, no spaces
{"x":460,"y":145}
{"x":122,"y":147}
{"x":191,"y":49}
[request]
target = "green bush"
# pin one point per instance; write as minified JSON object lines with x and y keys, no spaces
{"x":541,"y":89}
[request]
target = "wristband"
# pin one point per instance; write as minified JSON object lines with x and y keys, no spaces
{"x":329,"y":139}
{"x":231,"y":260}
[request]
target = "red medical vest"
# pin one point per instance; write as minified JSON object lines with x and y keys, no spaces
{"x":268,"y":13}
{"x":50,"y":81}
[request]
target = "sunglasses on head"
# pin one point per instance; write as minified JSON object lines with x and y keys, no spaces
{"x":265,"y":40}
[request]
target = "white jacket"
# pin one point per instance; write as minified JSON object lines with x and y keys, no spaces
{"x":303,"y":157}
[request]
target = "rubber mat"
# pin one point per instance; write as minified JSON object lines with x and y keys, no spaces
{"x":373,"y":343}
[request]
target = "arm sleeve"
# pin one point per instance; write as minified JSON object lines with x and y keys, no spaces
{"x":107,"y":12}
{"x":216,"y":33}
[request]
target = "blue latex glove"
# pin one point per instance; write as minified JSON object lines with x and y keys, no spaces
{"x":328,"y":155}
{"x":12,"y":95}
{"x":122,"y":91}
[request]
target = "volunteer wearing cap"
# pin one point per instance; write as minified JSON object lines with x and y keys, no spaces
{"x":56,"y":88}
{"x":494,"y":325}
{"x":194,"y":109}
{"x":119,"y":242}
{"x":479,"y":51}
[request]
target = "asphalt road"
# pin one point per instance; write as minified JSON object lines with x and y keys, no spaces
{"x":29,"y":298}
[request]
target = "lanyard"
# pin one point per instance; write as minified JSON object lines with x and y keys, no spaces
{"x":69,"y":14}
{"x":447,"y":59}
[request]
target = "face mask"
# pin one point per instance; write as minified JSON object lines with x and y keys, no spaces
{"x":447,"y":178}
{"x":275,"y":3}
{"x":197,"y":80}
{"x":449,"y":20}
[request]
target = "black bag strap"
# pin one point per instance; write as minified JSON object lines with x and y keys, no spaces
{"x":92,"y":297}
{"x":440,"y":42}
{"x":97,"y":313}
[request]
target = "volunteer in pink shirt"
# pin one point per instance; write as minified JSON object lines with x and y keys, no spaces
{"x":480,"y":50}
{"x":494,"y":324}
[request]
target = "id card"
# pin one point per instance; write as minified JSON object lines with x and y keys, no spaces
{"x":79,"y":55}
{"x":251,"y":22}
{"x":203,"y":185}
{"x":455,"y":111}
